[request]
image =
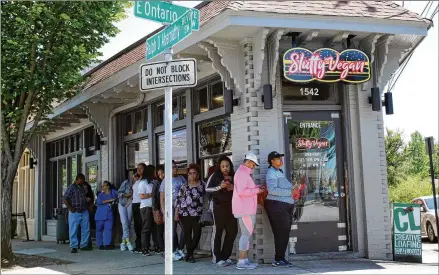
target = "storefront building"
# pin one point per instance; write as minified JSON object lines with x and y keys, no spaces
{"x":328,"y":130}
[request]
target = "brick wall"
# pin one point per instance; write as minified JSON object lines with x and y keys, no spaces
{"x":104,"y":164}
{"x":370,"y":181}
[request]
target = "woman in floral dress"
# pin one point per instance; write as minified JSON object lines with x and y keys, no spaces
{"x":189,"y":207}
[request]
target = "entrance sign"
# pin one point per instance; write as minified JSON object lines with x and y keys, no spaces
{"x":326,"y":65}
{"x":407,"y":242}
{"x":176,"y":73}
{"x":164,"y":12}
{"x":170,"y":36}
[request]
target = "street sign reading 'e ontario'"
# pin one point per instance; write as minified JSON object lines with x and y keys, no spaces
{"x":164,"y":12}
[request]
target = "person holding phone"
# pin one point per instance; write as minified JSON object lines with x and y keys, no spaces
{"x":279,"y":206}
{"x":244,"y":207}
{"x":220,"y":186}
{"x":104,"y":216}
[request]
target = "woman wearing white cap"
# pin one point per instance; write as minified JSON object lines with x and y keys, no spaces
{"x":244,"y":206}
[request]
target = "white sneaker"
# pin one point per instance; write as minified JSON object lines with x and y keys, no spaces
{"x":180,"y":252}
{"x":222,"y":263}
{"x":130,"y":246}
{"x":123,"y":247}
{"x":177,"y":256}
{"x":246,"y":265}
{"x":230,"y":261}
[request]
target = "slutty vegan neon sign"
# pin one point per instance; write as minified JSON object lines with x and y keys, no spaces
{"x":326,"y":65}
{"x":312,"y":143}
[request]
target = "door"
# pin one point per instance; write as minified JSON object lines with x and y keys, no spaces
{"x":314,"y":160}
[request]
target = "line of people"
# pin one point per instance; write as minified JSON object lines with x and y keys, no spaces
{"x":234,"y":199}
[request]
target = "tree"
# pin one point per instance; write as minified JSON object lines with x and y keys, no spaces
{"x":44,"y":46}
{"x":395,"y":156}
{"x":418,"y":162}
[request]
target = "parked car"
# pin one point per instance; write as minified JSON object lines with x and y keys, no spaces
{"x":428,"y":218}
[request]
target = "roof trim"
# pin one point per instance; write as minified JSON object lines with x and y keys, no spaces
{"x":274,"y":20}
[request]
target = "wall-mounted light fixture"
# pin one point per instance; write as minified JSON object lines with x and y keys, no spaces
{"x":32,"y":162}
{"x":229,"y":102}
{"x":377,"y":103}
{"x":267,"y":96}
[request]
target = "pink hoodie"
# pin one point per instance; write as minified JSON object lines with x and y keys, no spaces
{"x":245,"y":193}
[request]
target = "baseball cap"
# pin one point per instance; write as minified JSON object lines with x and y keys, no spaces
{"x":252,"y":157}
{"x":274,"y":155}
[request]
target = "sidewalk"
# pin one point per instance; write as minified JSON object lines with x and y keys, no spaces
{"x":117,"y":262}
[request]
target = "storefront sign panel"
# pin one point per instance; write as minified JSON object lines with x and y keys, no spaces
{"x":326,"y":65}
{"x":164,"y":12}
{"x":165,"y":74}
{"x":407,"y":240}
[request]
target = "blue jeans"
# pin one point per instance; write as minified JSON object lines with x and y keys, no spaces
{"x":76,"y":219}
{"x":104,"y":229}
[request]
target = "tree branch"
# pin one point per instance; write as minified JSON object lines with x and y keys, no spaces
{"x":23,"y":120}
{"x":5,"y":138}
{"x":32,"y":130}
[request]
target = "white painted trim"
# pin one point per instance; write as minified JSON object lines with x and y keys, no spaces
{"x":353,"y":24}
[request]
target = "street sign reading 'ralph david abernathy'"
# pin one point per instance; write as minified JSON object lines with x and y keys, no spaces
{"x":170,"y":36}
{"x":166,"y":74}
{"x":164,"y":12}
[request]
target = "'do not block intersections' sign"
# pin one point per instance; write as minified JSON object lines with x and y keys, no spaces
{"x":407,"y":241}
{"x":166,"y":74}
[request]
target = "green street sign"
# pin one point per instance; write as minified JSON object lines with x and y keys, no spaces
{"x":164,"y":12}
{"x":407,"y":240}
{"x":170,"y":36}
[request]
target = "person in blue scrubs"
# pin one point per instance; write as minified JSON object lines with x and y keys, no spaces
{"x":104,"y":216}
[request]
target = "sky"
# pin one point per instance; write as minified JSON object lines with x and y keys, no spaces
{"x":415,"y":95}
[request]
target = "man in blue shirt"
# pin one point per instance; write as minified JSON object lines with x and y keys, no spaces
{"x":76,"y":201}
{"x":279,"y":206}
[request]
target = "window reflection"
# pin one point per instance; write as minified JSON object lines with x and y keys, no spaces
{"x":201,"y":95}
{"x":179,"y":147}
{"x":215,"y":137}
{"x":314,"y":167}
{"x":137,"y":152}
{"x":217,"y":95}
{"x":138,"y":125}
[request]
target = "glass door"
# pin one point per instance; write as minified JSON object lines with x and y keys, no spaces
{"x":314,"y":161}
{"x":91,"y":175}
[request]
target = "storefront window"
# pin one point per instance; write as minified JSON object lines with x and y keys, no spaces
{"x":137,"y":152}
{"x":217,"y":95}
{"x":215,"y":137}
{"x":314,"y":162}
{"x":201,"y":100}
{"x":63,"y":173}
{"x":183,"y":106}
{"x":138,"y":124}
{"x":178,"y":110}
{"x":179,"y":147}
{"x":129,"y":125}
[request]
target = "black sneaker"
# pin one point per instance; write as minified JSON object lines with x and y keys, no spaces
{"x":101,"y":247}
{"x":191,"y":259}
{"x":87,"y":248}
{"x":74,"y":250}
{"x":146,"y":253}
{"x":282,"y":263}
{"x":108,"y":247}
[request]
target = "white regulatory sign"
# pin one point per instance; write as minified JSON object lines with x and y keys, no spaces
{"x":167,"y":74}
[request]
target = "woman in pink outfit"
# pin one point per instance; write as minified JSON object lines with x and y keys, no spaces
{"x":244,"y":207}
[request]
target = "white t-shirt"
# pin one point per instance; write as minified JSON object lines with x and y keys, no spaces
{"x":145,"y":188}
{"x":136,"y":195}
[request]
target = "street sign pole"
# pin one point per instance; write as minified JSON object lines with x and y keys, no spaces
{"x":168,"y":174}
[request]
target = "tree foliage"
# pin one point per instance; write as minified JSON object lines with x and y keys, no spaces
{"x":408,"y":166}
{"x":44,"y":46}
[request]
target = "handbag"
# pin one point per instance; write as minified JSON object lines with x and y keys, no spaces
{"x":158,"y":217}
{"x":262,"y":196}
{"x":206,"y":218}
